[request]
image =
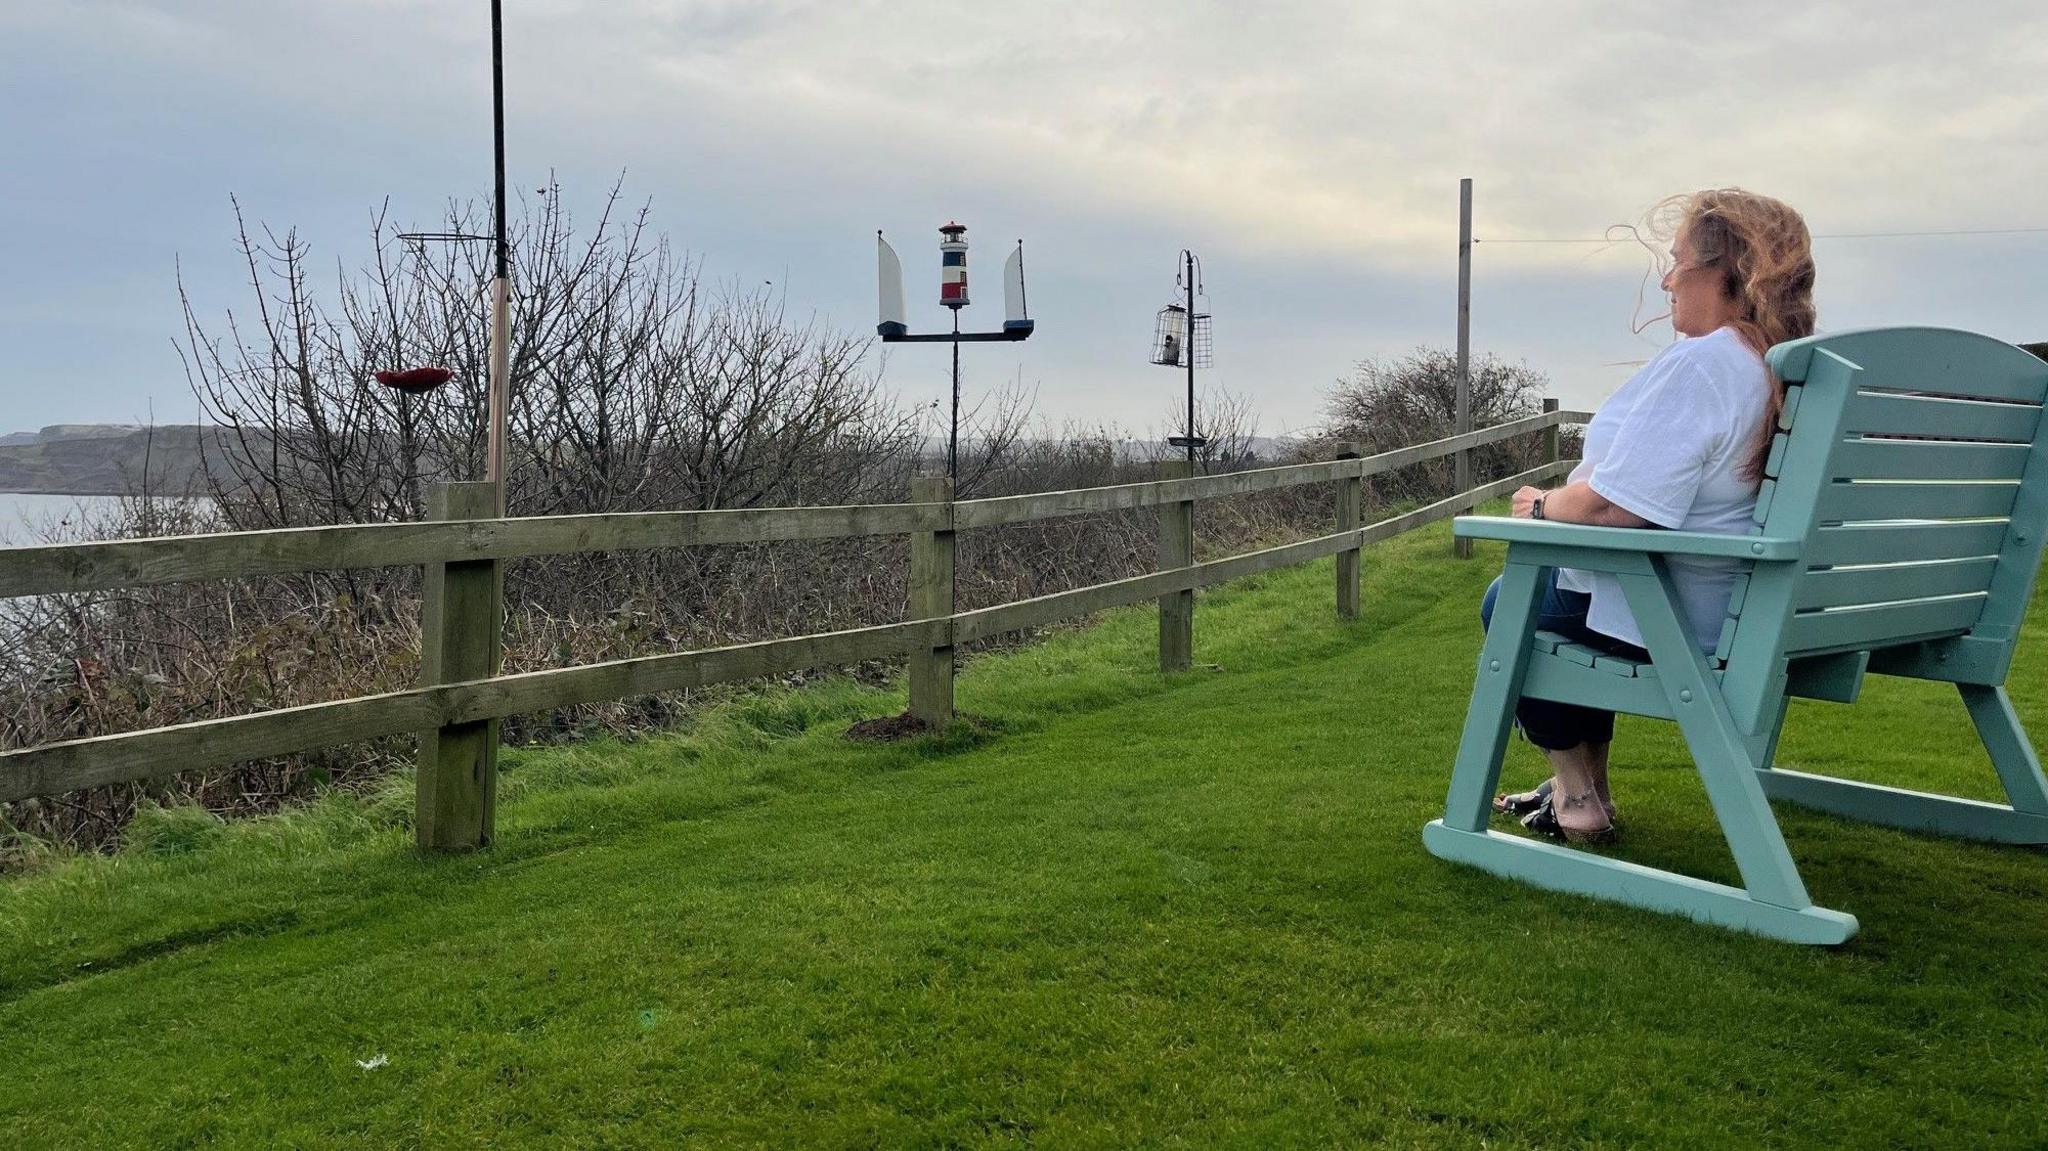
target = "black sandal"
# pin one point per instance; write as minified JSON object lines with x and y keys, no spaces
{"x":1543,"y":821}
{"x":1522,"y":803}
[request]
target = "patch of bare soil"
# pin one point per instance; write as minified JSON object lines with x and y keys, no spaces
{"x":888,"y":728}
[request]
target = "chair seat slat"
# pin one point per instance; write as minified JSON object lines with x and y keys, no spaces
{"x":1624,"y":666}
{"x":1579,"y":654}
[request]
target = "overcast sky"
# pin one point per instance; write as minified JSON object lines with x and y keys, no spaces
{"x":1309,"y":152}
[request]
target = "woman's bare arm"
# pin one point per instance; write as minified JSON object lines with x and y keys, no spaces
{"x":1578,"y":504}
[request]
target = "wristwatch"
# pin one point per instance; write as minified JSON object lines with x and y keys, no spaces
{"x":1536,"y":508}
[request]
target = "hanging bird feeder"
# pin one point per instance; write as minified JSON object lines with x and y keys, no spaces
{"x":415,"y":381}
{"x":1171,"y":341}
{"x":419,"y":381}
{"x":1180,"y":339}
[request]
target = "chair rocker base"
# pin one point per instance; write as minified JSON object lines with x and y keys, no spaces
{"x":1908,"y":810}
{"x":1562,"y":869}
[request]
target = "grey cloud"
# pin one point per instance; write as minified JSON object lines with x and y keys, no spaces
{"x":1310,"y":151}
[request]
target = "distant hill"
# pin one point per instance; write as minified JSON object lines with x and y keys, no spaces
{"x":101,"y":459}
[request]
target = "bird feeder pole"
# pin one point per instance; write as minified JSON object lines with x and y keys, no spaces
{"x":1180,"y":338}
{"x":1189,"y":256}
{"x":501,"y":280}
{"x":953,"y":438}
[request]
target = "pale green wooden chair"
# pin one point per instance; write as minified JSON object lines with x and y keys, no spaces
{"x":1900,"y":529}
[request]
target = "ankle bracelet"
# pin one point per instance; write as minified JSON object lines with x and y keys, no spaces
{"x":1581,"y":799}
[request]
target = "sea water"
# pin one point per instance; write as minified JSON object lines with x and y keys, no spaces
{"x":31,"y":518}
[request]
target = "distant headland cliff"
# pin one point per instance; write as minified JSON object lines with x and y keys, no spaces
{"x":104,"y":459}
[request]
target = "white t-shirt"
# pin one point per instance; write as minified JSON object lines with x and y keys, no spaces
{"x":1670,"y":446}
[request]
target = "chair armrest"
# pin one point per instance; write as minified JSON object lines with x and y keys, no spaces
{"x":1706,"y":544}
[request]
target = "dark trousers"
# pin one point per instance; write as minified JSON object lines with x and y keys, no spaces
{"x":1551,"y":725}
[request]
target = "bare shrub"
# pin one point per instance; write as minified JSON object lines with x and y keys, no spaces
{"x":1227,"y":421}
{"x":1386,"y":404}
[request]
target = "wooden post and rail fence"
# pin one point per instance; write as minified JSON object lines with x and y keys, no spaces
{"x":462,"y":695}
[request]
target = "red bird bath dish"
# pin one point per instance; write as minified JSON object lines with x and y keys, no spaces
{"x":415,"y":381}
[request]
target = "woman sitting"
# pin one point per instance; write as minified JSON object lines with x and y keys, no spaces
{"x":1681,"y":445}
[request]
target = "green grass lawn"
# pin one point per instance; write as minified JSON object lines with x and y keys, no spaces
{"x":1127,"y":910}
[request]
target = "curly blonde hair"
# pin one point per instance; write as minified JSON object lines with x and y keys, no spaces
{"x":1765,"y":255}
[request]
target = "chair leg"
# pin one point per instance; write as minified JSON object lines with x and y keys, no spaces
{"x":1502,"y":661}
{"x":2006,"y":741}
{"x":1718,"y":748}
{"x":1769,"y":758}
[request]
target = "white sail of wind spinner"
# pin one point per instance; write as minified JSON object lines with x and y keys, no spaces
{"x":889,"y":279}
{"x":1015,"y":317}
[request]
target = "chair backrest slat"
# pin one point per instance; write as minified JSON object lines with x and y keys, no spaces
{"x":1880,"y":542}
{"x":1941,"y":417}
{"x":1931,"y":361}
{"x":1890,"y":583}
{"x":1913,"y":468}
{"x":1889,"y":459}
{"x":1881,"y":625}
{"x":1844,"y":502}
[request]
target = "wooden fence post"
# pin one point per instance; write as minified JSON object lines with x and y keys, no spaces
{"x":462,"y":638}
{"x":1550,"y":436}
{"x":1176,"y":550}
{"x":1350,"y":496}
{"x":931,"y":597}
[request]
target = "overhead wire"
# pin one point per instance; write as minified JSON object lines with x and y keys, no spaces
{"x":1629,"y":233}
{"x":1817,"y":236}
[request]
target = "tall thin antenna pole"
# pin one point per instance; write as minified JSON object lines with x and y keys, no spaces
{"x":1463,"y":547}
{"x":501,"y":281}
{"x":1191,"y":344}
{"x":498,"y":128}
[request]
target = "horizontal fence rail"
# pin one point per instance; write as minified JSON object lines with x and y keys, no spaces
{"x":59,"y":767}
{"x":999,"y":510}
{"x":990,"y":621}
{"x":103,"y":566}
{"x":441,"y":707}
{"x":286,"y":551}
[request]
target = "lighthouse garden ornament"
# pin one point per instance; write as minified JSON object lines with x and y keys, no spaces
{"x":893,"y":329}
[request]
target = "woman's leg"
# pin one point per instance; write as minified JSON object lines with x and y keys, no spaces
{"x":1576,"y":807}
{"x":1597,"y":756}
{"x":1576,"y":739}
{"x":1601,"y":740}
